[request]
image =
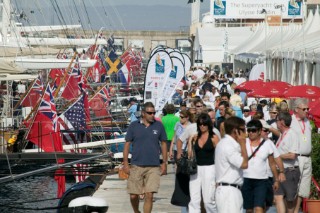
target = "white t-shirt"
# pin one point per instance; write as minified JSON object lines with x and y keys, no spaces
{"x":257,"y":167}
{"x":276,"y":154}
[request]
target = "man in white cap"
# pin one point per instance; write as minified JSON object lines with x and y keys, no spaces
{"x":246,"y":114}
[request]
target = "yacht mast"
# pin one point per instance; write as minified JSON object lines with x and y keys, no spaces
{"x":5,"y":20}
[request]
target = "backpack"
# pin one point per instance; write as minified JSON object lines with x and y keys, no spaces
{"x":223,"y":89}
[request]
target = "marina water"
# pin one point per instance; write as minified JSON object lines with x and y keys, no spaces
{"x":28,"y":194}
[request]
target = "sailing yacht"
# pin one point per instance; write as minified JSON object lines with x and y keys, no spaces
{"x":37,"y":52}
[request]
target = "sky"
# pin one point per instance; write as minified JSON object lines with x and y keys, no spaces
{"x":165,"y":15}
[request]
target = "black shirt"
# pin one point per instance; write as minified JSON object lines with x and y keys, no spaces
{"x":204,"y":155}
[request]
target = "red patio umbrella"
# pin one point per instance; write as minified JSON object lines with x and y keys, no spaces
{"x":272,"y":89}
{"x":314,"y":113}
{"x":303,"y":91}
{"x":250,"y":85}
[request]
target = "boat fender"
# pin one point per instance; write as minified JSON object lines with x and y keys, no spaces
{"x":89,"y":201}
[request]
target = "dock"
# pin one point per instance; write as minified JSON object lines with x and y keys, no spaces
{"x":114,"y":191}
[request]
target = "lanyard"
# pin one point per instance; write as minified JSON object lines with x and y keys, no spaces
{"x":281,"y":138}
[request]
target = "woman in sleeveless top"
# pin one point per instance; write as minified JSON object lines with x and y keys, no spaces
{"x":203,"y":182}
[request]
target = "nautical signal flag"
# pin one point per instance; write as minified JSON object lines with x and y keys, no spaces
{"x":113,"y":62}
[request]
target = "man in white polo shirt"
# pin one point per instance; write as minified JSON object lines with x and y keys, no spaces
{"x":302,"y":126}
{"x":230,"y":158}
{"x":288,"y":147}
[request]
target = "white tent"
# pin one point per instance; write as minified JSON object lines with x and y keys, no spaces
{"x":291,"y":52}
{"x":210,"y":41}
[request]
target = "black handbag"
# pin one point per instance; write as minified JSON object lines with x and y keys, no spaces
{"x":187,"y":165}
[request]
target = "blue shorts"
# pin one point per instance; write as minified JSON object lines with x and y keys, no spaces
{"x":269,"y":200}
{"x":254,"y":192}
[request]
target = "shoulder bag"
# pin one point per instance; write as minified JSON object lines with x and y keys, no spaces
{"x":255,"y":151}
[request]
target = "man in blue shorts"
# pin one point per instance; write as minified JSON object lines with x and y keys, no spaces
{"x":144,"y":174}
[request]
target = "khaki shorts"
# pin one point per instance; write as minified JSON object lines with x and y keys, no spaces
{"x":143,"y":179}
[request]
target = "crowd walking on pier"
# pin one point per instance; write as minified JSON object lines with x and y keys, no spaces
{"x":251,"y":153}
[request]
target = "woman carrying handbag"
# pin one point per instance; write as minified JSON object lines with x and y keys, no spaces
{"x":201,"y":147}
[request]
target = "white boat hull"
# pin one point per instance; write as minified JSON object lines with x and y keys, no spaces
{"x":52,"y":63}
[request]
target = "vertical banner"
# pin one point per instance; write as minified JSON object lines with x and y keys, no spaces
{"x":187,"y":62}
{"x":171,"y":82}
{"x":157,"y":48}
{"x":159,"y":66}
{"x":177,"y":54}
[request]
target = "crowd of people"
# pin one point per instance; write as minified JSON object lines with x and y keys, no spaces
{"x":250,"y":153}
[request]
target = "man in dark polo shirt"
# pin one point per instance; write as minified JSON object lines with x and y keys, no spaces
{"x":144,"y":174}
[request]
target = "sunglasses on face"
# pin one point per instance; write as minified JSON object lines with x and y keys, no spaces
{"x":198,"y":106}
{"x":265,"y":130}
{"x":303,"y":109}
{"x":246,"y":110}
{"x":182,"y":117}
{"x":253,"y":130}
{"x":203,"y":124}
{"x":151,"y":113}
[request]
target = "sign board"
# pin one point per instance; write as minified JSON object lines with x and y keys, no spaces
{"x":253,"y":9}
{"x":198,"y":61}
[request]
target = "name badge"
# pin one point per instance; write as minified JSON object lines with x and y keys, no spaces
{"x":304,"y":139}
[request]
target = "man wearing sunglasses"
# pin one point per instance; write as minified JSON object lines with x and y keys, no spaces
{"x":288,"y":147}
{"x":301,"y":125}
{"x":144,"y":174}
{"x":256,"y":179}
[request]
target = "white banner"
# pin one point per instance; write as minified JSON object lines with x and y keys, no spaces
{"x":187,"y":62}
{"x":253,"y":9}
{"x":171,"y":82}
{"x":159,"y":66}
{"x":178,"y":55}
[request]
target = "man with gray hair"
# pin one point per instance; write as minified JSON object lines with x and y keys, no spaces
{"x":301,"y":125}
{"x":288,"y":147}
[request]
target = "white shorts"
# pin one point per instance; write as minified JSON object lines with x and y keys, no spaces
{"x":305,"y":167}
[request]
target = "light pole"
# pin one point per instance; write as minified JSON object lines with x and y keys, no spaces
{"x":264,"y":11}
{"x":282,"y":9}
